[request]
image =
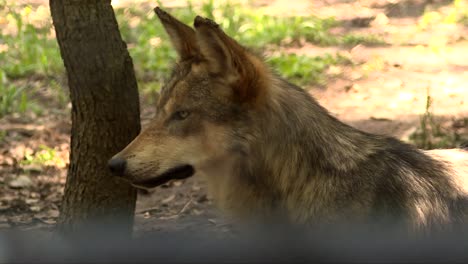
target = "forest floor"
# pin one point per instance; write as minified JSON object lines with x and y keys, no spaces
{"x":383,"y":91}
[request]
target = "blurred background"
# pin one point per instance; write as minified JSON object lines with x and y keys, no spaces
{"x":395,"y":67}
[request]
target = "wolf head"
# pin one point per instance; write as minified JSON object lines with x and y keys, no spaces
{"x":208,"y":97}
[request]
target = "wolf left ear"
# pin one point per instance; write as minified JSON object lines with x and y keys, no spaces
{"x":182,"y":36}
{"x":230,"y":60}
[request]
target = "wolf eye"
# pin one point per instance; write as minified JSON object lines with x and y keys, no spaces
{"x":180,"y":115}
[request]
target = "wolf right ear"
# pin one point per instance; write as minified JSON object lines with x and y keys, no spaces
{"x":244,"y":72}
{"x":182,"y":36}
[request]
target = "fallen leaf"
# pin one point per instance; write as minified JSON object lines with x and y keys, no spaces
{"x":20,"y":151}
{"x":9,"y":161}
{"x":22,"y":181}
{"x":40,"y":216}
{"x":35,"y":208}
{"x":21,"y":219}
{"x":31,"y":201}
{"x":53,"y":213}
{"x":380,"y":20}
{"x":168,"y":199}
{"x":197,"y":212}
{"x":3,"y":219}
{"x":177,"y":183}
{"x":49,"y":221}
{"x":169,"y":217}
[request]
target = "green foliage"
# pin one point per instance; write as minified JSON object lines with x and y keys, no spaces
{"x":153,"y":55}
{"x":26,"y":49}
{"x":256,"y":30}
{"x":456,"y":13}
{"x":44,"y":156}
{"x":12,"y":98}
{"x":29,"y":48}
{"x":369,"y":40}
{"x":3,"y":134}
{"x":459,"y":13}
{"x":150,"y":47}
{"x":304,"y":69}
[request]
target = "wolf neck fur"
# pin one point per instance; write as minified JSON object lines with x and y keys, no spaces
{"x":310,"y":135}
{"x":303,"y":156}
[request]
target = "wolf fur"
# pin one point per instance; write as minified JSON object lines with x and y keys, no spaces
{"x":266,"y":147}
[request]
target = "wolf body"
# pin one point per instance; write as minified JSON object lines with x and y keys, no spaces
{"x":266,"y":147}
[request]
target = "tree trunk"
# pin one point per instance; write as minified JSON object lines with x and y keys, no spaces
{"x":105,"y":115}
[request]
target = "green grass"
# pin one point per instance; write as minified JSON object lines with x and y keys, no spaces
{"x":455,"y":13}
{"x":354,"y":39}
{"x":153,"y":55}
{"x":459,"y":13}
{"x":3,"y":134}
{"x":303,"y":70}
{"x":12,"y":98}
{"x":29,"y":48}
{"x":26,"y":50}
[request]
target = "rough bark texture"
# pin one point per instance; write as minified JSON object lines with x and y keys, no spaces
{"x":105,"y":114}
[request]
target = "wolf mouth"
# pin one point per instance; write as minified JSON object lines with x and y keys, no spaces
{"x":176,"y":173}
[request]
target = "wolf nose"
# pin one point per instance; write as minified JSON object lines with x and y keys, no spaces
{"x":117,"y":166}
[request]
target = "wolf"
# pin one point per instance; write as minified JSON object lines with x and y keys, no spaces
{"x":267,"y":148}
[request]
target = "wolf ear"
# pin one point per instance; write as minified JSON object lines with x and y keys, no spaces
{"x":183,"y":37}
{"x":229,"y":59}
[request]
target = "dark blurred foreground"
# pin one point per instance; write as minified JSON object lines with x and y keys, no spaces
{"x":267,"y":244}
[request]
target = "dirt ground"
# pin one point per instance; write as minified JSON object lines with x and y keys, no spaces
{"x":384,"y":92}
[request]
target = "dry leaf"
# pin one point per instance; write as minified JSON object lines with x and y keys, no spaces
{"x":197,"y":212}
{"x":168,"y":199}
{"x":22,"y":181}
{"x":31,"y":201}
{"x":169,"y":217}
{"x":53,"y":213}
{"x":49,"y":221}
{"x":177,"y":183}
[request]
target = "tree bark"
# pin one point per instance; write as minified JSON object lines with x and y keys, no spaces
{"x":105,"y":115}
